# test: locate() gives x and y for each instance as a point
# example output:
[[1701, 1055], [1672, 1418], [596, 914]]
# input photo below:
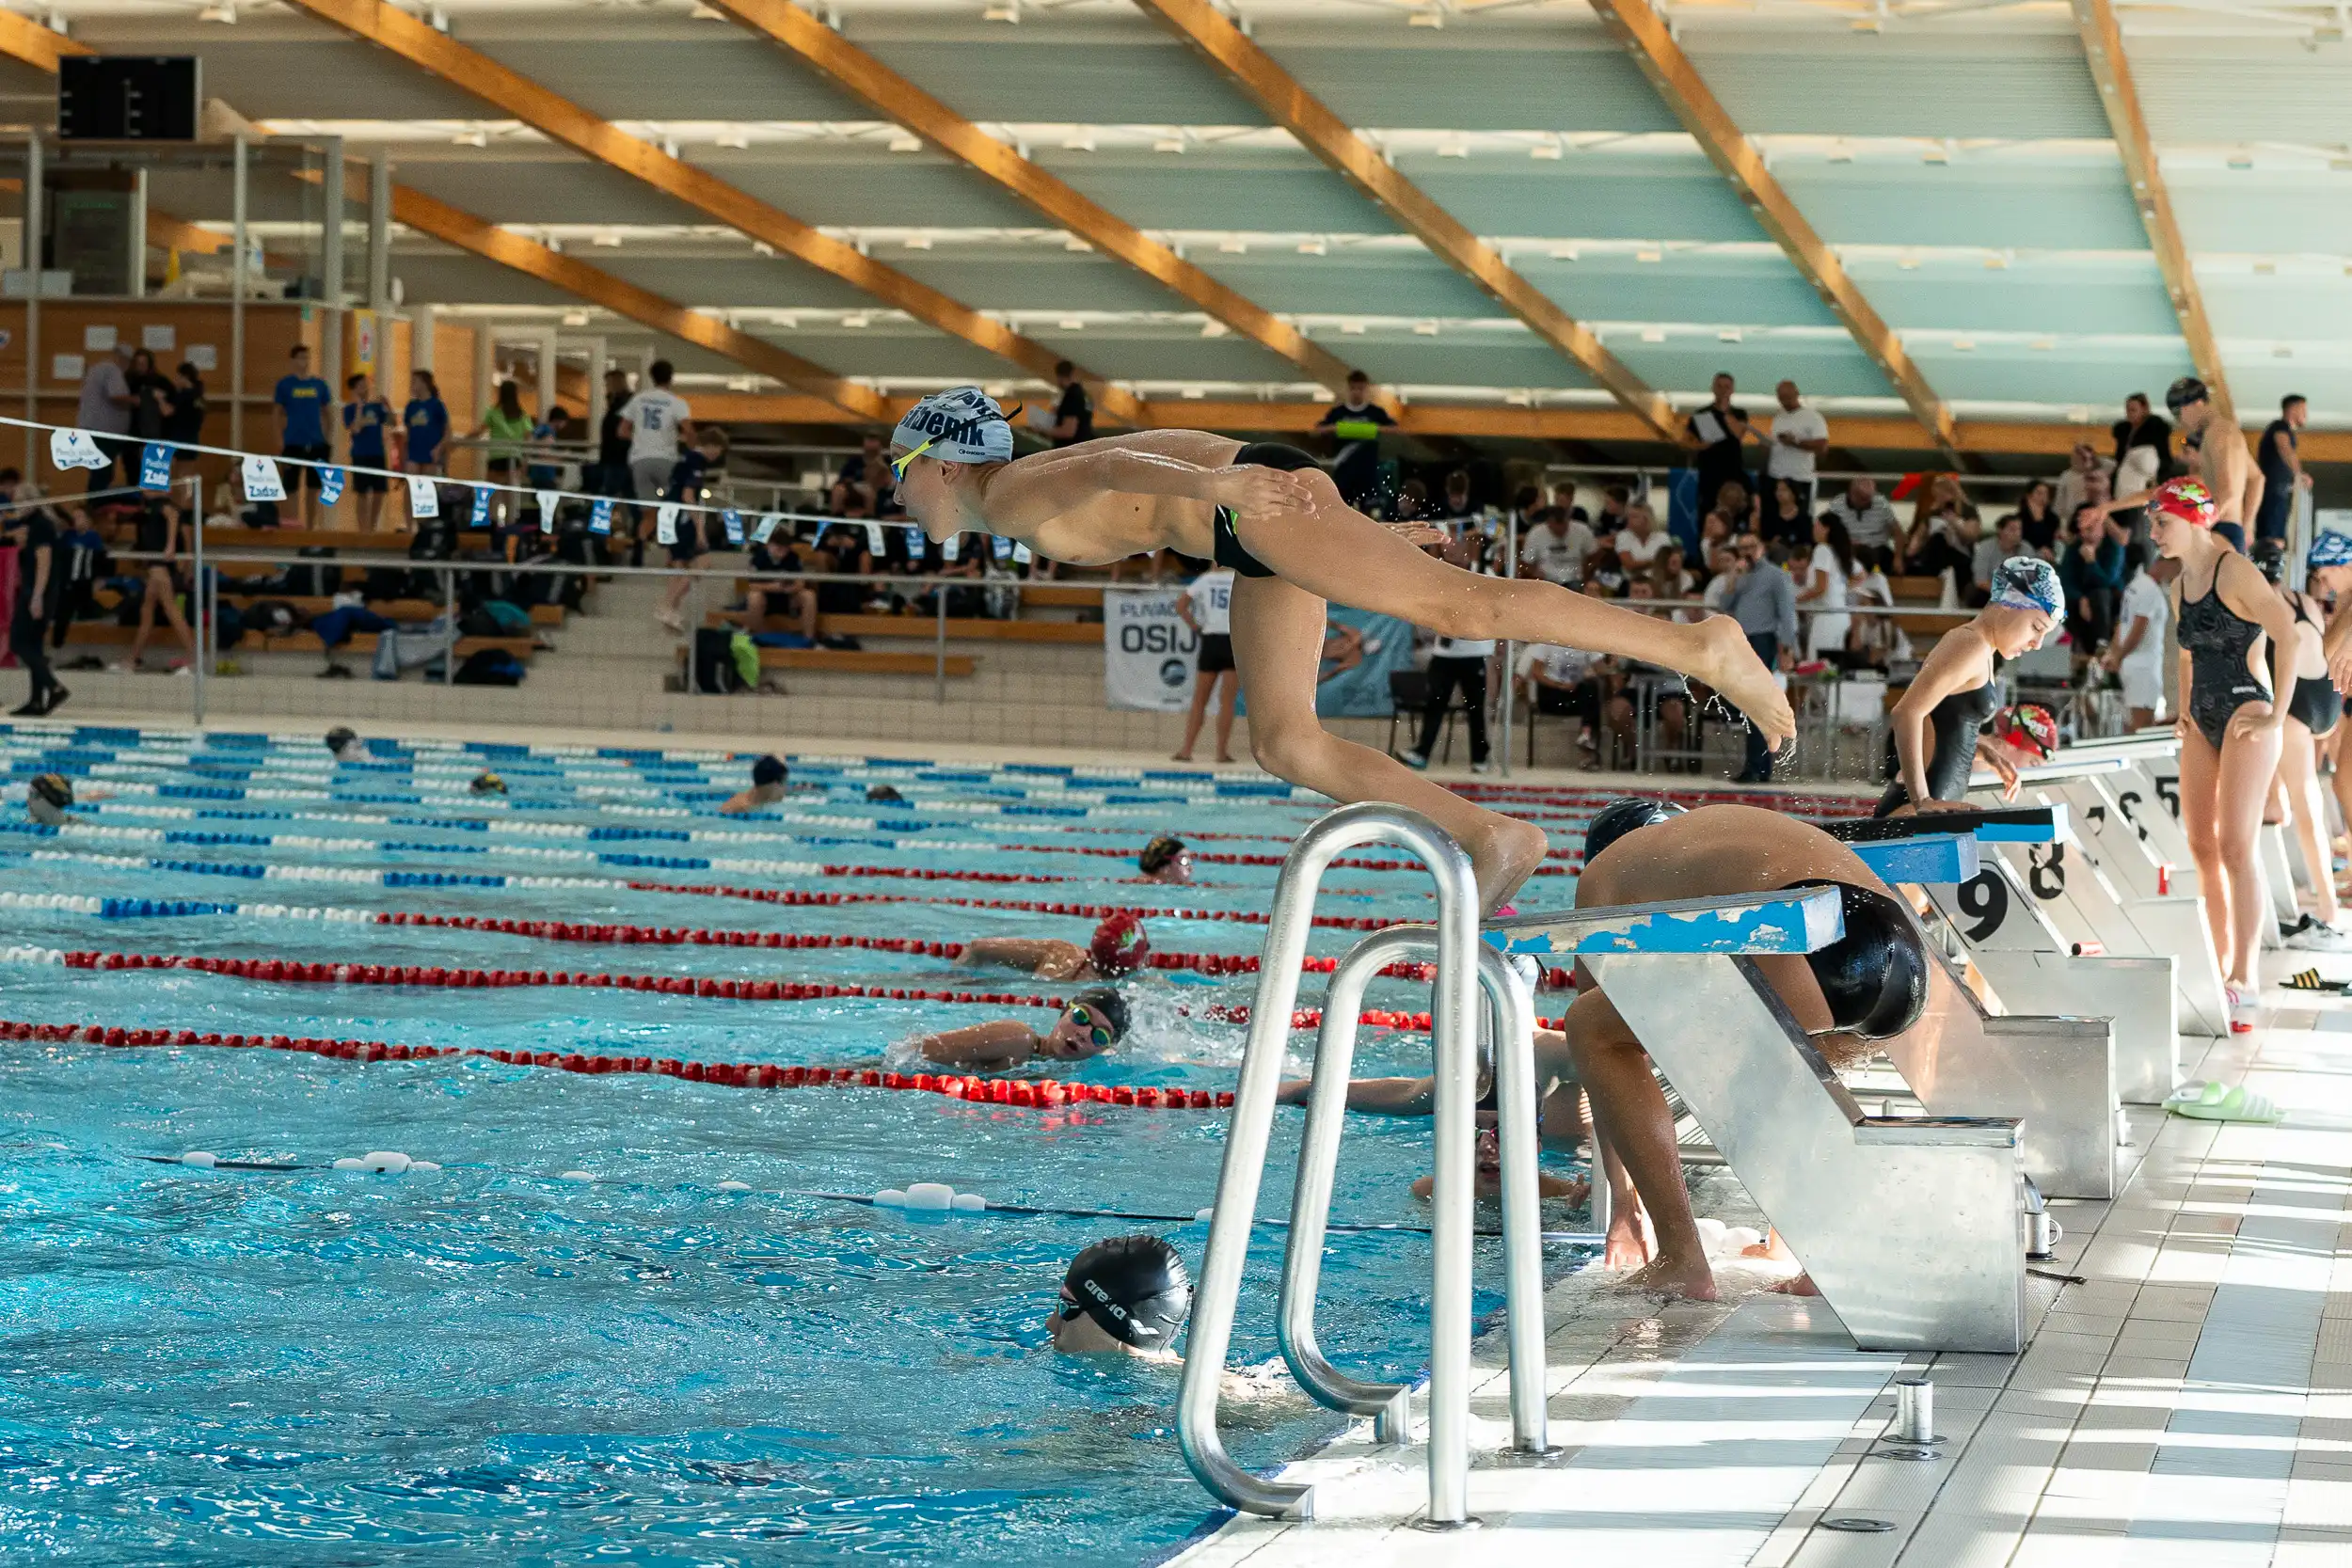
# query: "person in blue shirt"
[[365, 416], [426, 419], [302, 401]]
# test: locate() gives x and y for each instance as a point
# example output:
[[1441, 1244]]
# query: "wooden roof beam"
[[891, 95], [1333, 140], [561, 119], [1642, 32], [2103, 48]]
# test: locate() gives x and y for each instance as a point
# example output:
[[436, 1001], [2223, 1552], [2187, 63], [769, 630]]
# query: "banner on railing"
[[1148, 650]]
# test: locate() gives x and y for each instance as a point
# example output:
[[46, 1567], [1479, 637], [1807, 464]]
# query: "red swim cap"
[[2186, 499], [1120, 943], [2029, 726]]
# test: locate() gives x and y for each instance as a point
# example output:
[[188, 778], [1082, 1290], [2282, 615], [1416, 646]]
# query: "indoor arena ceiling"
[[1919, 209]]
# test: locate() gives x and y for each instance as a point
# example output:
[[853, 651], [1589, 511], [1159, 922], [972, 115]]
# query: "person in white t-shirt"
[[1640, 541], [2135, 653], [1799, 436], [1556, 546], [1563, 681], [657, 420], [1824, 592], [1207, 607]]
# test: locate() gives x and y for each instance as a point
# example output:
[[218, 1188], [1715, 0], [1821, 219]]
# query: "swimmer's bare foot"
[[1225, 757], [1726, 663], [1800, 1286], [1185, 757], [1503, 857], [1692, 1278]]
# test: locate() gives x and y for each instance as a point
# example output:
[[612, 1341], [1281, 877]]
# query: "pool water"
[[500, 1362]]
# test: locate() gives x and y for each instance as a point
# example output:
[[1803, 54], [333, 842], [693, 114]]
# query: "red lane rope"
[[1025, 1092], [286, 971], [671, 936], [798, 899], [1213, 858]]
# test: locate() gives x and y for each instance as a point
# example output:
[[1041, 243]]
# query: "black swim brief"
[[1229, 548]]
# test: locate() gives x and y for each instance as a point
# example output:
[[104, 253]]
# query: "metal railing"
[[1453, 1039]]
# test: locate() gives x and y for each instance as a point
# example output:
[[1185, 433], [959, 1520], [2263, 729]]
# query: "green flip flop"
[[2222, 1102]]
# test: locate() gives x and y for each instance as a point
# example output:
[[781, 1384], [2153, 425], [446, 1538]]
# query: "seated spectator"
[[1412, 501], [2073, 486], [1739, 507], [864, 475], [1715, 531], [770, 592], [1874, 639], [1605, 574], [1671, 703], [1640, 541], [1563, 681], [1823, 590], [2039, 519], [1867, 520], [1784, 516], [1457, 498], [2092, 572], [2008, 540], [1614, 499], [1556, 546], [1722, 571], [1669, 578], [547, 465], [841, 550], [1342, 650], [1940, 540]]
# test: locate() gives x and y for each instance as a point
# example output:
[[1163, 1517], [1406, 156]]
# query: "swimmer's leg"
[[1629, 1110], [1278, 643], [1339, 553]]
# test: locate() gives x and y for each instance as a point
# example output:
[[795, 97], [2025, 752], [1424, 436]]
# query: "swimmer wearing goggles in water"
[[1120, 947], [1095, 1020], [1271, 514], [1125, 1296]]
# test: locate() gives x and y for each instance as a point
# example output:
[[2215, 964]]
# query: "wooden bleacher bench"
[[1089, 633], [107, 634]]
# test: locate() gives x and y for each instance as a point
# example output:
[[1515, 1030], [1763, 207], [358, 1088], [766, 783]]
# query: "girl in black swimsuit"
[[2313, 712], [2229, 728], [1933, 731]]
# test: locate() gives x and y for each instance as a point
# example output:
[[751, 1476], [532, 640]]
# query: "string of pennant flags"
[[261, 481]]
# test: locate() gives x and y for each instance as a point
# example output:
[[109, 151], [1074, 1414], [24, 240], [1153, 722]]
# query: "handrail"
[[1218, 1291]]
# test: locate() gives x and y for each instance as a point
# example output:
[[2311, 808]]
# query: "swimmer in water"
[[1094, 1021], [1870, 985], [344, 745], [1124, 1295], [884, 795], [1120, 947], [49, 797], [768, 776], [1272, 514], [488, 784], [1166, 859], [1563, 1117]]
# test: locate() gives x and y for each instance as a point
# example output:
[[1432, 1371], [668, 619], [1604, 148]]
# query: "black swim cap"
[[2185, 392], [766, 771], [1620, 817], [1134, 1287], [1875, 977], [340, 738], [885, 794], [1107, 1005], [1157, 853]]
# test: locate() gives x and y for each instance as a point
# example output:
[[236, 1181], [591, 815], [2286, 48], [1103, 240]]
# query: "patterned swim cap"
[[2027, 582], [962, 424], [2331, 550], [2185, 500]]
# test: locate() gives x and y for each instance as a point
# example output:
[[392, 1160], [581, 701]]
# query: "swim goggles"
[[899, 465], [1098, 1030]]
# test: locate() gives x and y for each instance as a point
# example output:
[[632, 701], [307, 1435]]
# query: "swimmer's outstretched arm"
[[1005, 1042], [1030, 954], [1379, 1097], [1034, 491]]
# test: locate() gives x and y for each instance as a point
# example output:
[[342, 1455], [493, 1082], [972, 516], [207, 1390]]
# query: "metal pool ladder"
[[1465, 966]]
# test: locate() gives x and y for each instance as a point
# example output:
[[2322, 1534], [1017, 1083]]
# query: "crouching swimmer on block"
[[1272, 515], [1094, 1021], [1869, 985]]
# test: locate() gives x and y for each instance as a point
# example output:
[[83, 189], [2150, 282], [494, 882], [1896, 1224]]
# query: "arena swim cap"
[[2330, 550], [1136, 1289], [2029, 726], [1105, 1007], [1157, 853], [962, 424], [2185, 392], [47, 796], [1875, 977], [2185, 500], [1620, 817], [766, 771], [1120, 944], [2027, 582]]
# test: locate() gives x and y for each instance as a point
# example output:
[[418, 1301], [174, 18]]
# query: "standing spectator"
[[34, 531], [1799, 436], [2073, 484], [508, 426], [544, 469], [1073, 412], [612, 478], [1764, 602], [1556, 546], [2135, 653], [857, 489], [689, 483], [1718, 430], [1867, 520], [1455, 662], [105, 411], [1826, 590], [1207, 607], [1613, 501], [2008, 540], [2138, 427], [1872, 641], [1784, 517], [366, 417], [184, 417], [1641, 540], [2039, 521], [2281, 468], [657, 421], [301, 401], [1356, 422], [150, 396], [425, 419]]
